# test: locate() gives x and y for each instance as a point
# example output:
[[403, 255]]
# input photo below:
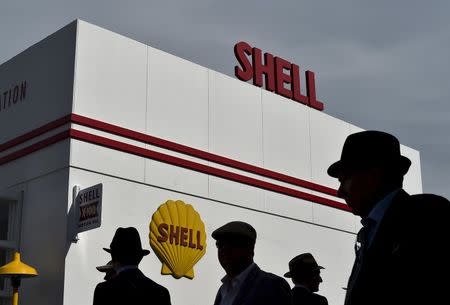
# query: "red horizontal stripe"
[[146, 153], [34, 133], [138, 136], [34, 147]]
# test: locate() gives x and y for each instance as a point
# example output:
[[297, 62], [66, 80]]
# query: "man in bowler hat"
[[305, 274], [245, 283], [130, 285], [400, 252]]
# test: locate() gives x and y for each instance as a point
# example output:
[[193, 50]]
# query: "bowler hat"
[[370, 148], [235, 229], [301, 264], [126, 242]]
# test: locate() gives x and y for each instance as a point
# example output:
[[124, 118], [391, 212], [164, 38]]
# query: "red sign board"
[[281, 76]]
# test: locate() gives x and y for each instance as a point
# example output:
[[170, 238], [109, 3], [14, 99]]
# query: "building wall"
[[43, 236], [149, 91], [128, 203], [100, 75], [47, 68]]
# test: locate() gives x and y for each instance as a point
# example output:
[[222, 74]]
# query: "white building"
[[87, 106]]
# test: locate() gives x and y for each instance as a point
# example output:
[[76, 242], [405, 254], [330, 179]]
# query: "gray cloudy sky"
[[379, 64]]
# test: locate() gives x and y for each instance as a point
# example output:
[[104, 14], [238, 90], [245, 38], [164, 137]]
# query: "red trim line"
[[34, 133], [127, 133], [35, 147], [142, 152]]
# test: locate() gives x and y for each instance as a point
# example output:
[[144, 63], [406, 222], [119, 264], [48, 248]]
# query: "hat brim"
[[337, 167], [144, 252], [104, 268], [289, 274]]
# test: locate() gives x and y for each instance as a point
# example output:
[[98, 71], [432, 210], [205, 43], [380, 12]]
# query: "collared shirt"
[[231, 286], [127, 267], [376, 215]]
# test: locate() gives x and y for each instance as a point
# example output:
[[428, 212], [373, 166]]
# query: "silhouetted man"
[[130, 285], [244, 283], [305, 274], [400, 251]]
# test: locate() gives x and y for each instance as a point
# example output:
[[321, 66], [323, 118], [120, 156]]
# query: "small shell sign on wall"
[[177, 236]]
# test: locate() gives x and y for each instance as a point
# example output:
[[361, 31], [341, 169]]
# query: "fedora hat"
[[370, 148], [126, 242], [301, 264]]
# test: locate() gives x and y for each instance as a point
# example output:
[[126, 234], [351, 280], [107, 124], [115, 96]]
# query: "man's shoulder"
[[103, 285], [137, 275], [428, 204], [154, 284], [429, 198], [319, 299]]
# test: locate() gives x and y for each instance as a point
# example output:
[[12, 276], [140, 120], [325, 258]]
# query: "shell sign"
[[178, 237]]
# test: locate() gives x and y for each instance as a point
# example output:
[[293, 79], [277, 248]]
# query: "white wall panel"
[[288, 206], [105, 160], [43, 238], [177, 100], [177, 178], [35, 165], [111, 77], [48, 70], [327, 139], [236, 193], [412, 182], [235, 119], [235, 131], [334, 218], [286, 136], [177, 111]]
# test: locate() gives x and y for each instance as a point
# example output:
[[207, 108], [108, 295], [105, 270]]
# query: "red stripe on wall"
[[134, 135], [35, 147], [34, 133], [146, 153]]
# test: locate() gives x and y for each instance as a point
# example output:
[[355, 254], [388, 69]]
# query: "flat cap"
[[237, 229]]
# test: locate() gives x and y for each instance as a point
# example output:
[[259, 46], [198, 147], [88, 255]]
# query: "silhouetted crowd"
[[401, 256]]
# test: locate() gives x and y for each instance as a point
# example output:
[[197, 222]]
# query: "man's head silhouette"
[[370, 167]]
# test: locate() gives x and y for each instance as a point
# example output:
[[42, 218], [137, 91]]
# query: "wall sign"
[[281, 76], [178, 237], [89, 208], [12, 95]]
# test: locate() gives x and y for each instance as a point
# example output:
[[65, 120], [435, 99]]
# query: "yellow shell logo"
[[178, 237]]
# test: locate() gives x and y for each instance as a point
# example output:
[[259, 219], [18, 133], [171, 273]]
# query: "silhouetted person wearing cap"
[[245, 283], [130, 285], [400, 251], [305, 274]]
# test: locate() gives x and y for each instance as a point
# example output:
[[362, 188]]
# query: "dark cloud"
[[379, 64]]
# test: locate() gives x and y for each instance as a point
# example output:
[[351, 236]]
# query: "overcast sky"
[[379, 64]]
